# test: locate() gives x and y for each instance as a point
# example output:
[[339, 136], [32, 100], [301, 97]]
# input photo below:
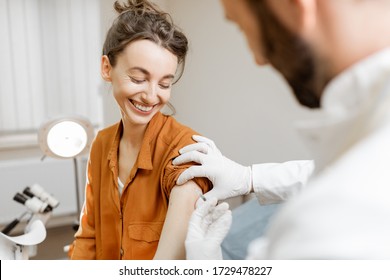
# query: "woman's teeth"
[[142, 108]]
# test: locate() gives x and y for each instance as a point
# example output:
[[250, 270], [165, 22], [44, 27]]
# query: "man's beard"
[[291, 56]]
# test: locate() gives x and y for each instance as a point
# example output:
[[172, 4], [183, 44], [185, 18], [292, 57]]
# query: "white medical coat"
[[344, 211], [277, 182]]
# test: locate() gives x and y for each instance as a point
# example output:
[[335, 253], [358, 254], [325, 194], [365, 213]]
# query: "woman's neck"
[[133, 134]]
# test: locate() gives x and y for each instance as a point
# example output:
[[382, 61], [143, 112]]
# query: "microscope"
[[39, 205]]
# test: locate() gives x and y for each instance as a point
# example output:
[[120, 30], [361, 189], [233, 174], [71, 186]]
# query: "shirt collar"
[[348, 104], [145, 155], [113, 153], [144, 159], [350, 90]]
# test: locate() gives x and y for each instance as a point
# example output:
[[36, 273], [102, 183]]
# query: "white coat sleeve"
[[276, 182]]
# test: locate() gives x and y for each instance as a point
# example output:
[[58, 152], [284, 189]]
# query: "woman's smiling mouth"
[[141, 107]]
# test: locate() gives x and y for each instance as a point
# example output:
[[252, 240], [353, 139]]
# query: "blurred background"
[[50, 52]]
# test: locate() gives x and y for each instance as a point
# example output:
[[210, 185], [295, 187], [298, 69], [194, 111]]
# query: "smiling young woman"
[[133, 207]]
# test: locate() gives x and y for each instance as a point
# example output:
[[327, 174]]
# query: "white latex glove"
[[228, 177], [207, 228]]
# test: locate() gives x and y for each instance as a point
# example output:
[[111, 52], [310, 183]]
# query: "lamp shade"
[[65, 137]]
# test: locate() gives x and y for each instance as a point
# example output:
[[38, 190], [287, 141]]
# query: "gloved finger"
[[202, 211], [202, 199], [219, 210], [209, 142], [191, 173], [202, 139], [209, 212], [200, 147], [220, 227], [193, 156]]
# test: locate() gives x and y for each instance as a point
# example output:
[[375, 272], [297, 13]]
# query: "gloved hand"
[[207, 228], [228, 177]]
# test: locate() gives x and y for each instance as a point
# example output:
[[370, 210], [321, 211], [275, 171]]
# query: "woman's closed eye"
[[165, 86], [137, 80]]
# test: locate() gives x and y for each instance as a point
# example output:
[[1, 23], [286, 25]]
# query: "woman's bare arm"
[[181, 205]]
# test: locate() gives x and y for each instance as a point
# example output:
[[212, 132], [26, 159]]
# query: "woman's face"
[[141, 80]]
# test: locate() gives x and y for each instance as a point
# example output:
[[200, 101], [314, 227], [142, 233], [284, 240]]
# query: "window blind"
[[50, 60]]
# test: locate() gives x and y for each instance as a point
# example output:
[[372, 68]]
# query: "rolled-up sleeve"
[[172, 172]]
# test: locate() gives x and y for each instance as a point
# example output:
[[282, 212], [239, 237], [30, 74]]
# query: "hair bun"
[[137, 6]]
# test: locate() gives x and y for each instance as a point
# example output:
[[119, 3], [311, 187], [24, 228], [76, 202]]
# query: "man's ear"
[[105, 68], [299, 16]]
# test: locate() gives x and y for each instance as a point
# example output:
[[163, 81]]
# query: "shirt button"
[[122, 252]]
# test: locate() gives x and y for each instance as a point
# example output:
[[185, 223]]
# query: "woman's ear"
[[105, 68]]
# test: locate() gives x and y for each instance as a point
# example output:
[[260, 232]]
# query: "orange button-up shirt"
[[129, 226]]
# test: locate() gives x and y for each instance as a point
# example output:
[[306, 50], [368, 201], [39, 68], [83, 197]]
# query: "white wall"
[[247, 110], [110, 111]]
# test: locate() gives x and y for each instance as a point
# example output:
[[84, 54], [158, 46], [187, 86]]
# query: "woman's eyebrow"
[[146, 72], [169, 76]]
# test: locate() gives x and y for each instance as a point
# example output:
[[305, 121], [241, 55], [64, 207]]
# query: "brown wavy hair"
[[143, 20]]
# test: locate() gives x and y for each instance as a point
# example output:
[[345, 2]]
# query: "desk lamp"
[[67, 138]]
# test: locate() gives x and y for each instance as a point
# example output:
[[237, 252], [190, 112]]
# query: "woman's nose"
[[151, 93]]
